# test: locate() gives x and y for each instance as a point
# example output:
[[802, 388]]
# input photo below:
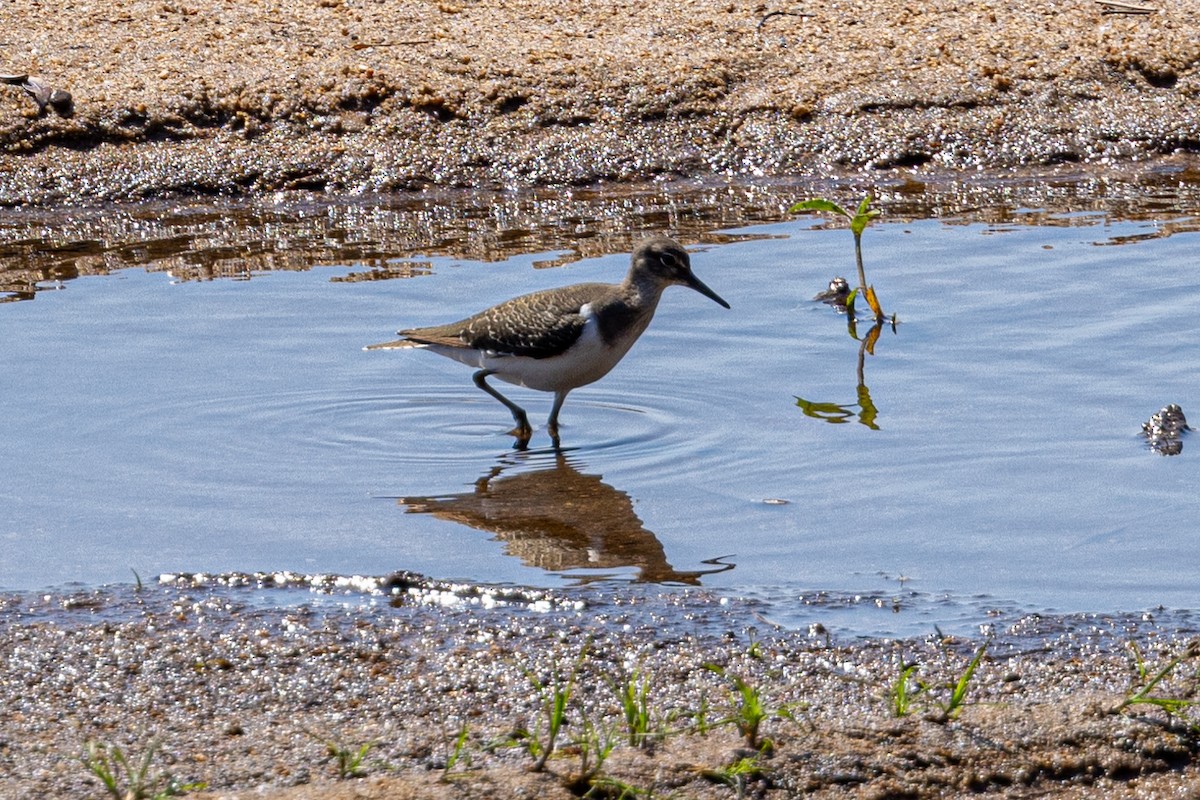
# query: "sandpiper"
[[560, 339]]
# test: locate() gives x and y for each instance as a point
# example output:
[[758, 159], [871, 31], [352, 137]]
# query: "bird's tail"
[[396, 345]]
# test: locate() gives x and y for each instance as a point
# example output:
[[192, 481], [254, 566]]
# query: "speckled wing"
[[538, 325]]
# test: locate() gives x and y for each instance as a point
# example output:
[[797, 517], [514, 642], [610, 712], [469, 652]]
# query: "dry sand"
[[213, 96]]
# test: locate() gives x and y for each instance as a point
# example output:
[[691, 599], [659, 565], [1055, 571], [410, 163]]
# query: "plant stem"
[[862, 275]]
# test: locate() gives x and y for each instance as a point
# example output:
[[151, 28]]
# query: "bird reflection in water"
[[560, 519]]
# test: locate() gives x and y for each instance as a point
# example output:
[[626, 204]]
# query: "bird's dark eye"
[[670, 261]]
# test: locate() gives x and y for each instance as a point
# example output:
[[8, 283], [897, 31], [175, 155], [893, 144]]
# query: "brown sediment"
[[360, 95], [249, 700]]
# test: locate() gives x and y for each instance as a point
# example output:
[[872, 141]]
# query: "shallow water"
[[166, 425]]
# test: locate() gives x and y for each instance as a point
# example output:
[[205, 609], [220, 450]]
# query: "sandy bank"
[[248, 699], [357, 95]]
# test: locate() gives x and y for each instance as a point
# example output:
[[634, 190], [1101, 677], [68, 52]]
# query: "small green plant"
[[633, 697], [903, 691], [750, 711], [737, 773], [611, 788], [595, 744], [858, 223], [700, 717], [131, 779], [1173, 706], [643, 726], [958, 692], [458, 753], [554, 695], [348, 759], [755, 649]]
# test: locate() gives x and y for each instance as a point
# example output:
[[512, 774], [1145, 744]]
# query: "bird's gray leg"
[[523, 430], [552, 426]]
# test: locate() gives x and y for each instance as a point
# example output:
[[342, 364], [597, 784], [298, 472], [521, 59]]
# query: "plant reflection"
[[559, 519], [864, 407]]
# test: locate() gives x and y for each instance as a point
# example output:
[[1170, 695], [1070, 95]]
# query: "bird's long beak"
[[699, 285]]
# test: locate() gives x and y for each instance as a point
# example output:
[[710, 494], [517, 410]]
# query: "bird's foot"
[[523, 432]]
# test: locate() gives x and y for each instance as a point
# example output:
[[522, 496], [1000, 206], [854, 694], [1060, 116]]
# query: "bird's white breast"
[[587, 360]]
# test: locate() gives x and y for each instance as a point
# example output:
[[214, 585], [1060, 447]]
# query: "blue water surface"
[[161, 426]]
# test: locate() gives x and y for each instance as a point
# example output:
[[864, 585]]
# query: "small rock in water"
[[1164, 430], [836, 294]]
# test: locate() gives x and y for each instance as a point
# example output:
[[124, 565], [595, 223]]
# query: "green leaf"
[[863, 217], [862, 207], [819, 204]]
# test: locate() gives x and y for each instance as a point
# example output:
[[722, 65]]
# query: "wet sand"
[[247, 694], [207, 97], [391, 236]]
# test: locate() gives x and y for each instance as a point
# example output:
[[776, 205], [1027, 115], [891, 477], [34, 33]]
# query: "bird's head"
[[665, 262]]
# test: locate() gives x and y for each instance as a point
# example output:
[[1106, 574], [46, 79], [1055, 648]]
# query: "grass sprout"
[[613, 789], [737, 773], [1142, 695], [554, 695], [958, 691], [904, 691], [642, 726], [700, 717], [595, 744], [755, 648], [633, 696], [751, 711], [458, 753], [126, 778], [348, 759]]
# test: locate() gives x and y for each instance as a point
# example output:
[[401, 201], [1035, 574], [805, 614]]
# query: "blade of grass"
[[959, 695], [1142, 696]]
